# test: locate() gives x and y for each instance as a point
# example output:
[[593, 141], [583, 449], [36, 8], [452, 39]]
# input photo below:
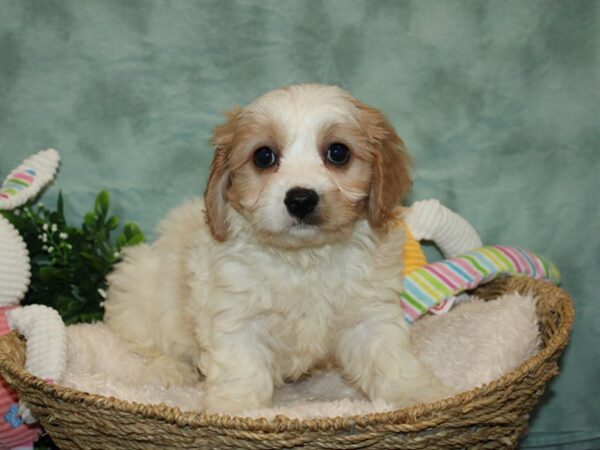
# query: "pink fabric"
[[24, 434]]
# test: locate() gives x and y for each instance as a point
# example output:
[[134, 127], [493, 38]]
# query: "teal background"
[[497, 101]]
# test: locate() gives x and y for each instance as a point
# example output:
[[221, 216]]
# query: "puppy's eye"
[[338, 154], [264, 157]]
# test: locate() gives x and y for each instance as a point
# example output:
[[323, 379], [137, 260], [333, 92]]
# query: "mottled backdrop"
[[497, 101]]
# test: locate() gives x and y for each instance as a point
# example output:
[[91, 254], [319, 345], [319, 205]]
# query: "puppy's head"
[[302, 164]]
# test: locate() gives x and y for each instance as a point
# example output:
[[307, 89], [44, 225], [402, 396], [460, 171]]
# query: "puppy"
[[293, 259]]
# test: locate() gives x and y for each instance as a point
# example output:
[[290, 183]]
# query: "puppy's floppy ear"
[[215, 195], [391, 179]]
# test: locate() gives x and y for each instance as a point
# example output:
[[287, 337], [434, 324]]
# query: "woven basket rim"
[[424, 414]]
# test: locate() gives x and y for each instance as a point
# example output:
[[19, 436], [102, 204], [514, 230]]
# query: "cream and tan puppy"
[[292, 260]]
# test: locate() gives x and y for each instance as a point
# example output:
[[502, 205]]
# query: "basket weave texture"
[[492, 416]]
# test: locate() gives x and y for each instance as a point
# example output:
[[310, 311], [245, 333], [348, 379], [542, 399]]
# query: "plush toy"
[[437, 286], [429, 220], [40, 325]]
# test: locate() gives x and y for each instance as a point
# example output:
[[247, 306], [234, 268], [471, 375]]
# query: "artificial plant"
[[69, 264]]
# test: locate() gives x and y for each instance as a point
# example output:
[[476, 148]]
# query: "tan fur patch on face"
[[299, 124], [343, 205], [247, 181], [253, 131]]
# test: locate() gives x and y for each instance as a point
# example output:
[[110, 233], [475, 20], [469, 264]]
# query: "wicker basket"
[[493, 416]]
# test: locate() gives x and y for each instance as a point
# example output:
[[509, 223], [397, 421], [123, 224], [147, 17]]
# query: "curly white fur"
[[471, 345], [251, 317]]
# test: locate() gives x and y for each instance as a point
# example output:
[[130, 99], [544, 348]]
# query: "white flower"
[[45, 227], [54, 228], [116, 254], [50, 249], [44, 247], [102, 292], [63, 235], [44, 237], [17, 212]]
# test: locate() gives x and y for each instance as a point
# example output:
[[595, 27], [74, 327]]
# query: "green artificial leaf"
[[60, 207], [135, 240], [112, 223], [54, 217], [101, 205], [89, 317], [130, 230], [121, 241], [50, 274], [90, 220], [94, 261], [106, 250], [69, 265]]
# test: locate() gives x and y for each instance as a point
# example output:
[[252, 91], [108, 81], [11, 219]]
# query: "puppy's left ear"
[[215, 195], [391, 179]]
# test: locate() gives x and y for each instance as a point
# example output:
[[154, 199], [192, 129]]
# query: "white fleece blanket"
[[473, 344]]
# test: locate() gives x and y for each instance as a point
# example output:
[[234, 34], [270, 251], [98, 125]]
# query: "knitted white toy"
[[437, 286], [429, 220], [40, 325]]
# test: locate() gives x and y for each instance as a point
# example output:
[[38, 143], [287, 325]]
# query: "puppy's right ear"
[[391, 166], [215, 195]]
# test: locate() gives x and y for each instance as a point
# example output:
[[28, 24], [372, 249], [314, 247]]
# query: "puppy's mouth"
[[304, 231], [307, 226], [312, 220], [311, 230]]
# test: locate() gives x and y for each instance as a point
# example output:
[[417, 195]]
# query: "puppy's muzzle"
[[300, 202]]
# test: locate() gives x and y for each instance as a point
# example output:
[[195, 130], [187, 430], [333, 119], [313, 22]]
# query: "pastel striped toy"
[[432, 285], [42, 326]]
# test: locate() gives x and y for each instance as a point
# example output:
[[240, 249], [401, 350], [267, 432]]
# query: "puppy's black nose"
[[301, 202]]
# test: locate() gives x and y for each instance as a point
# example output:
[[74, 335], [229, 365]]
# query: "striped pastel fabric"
[[16, 182], [26, 181], [433, 284]]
